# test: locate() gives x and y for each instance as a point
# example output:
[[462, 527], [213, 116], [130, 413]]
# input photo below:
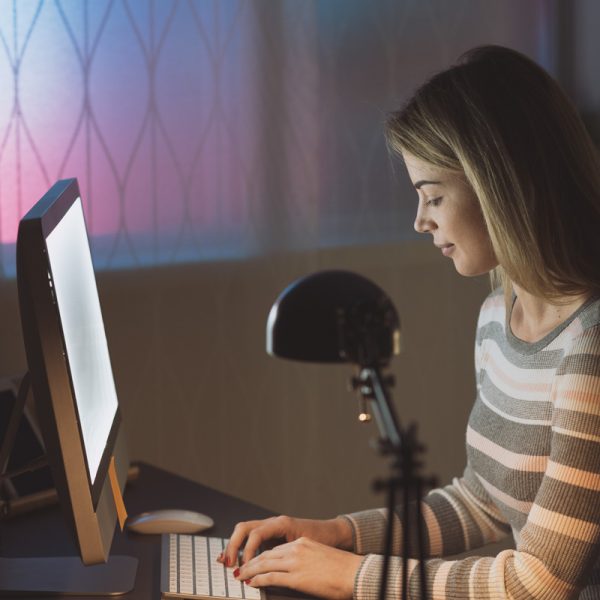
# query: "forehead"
[[419, 169]]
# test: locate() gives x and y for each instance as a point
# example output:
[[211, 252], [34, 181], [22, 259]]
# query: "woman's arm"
[[560, 541], [455, 518]]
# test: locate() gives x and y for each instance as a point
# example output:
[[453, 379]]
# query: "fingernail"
[[248, 581], [236, 572]]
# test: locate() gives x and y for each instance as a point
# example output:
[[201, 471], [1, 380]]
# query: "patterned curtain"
[[204, 129]]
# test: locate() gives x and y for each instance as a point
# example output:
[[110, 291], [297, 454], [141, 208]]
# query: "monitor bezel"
[[38, 307]]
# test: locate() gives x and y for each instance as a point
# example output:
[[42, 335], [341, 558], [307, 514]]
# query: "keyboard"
[[189, 569]]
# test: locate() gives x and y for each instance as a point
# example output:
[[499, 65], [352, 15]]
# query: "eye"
[[434, 201]]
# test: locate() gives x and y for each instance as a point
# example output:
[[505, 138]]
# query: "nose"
[[423, 223]]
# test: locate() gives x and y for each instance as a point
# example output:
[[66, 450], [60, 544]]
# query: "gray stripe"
[[453, 540], [523, 485], [590, 317], [516, 407], [577, 421], [516, 437], [575, 452], [566, 561], [522, 354], [581, 502], [473, 533], [580, 364]]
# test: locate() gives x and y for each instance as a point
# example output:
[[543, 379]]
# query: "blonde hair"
[[505, 123]]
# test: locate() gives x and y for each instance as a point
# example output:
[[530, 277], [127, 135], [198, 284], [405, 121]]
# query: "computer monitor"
[[70, 370]]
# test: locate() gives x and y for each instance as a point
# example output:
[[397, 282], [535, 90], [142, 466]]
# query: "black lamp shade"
[[334, 317]]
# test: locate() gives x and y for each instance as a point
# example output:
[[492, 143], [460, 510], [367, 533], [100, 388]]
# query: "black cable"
[[406, 481], [388, 537], [420, 540]]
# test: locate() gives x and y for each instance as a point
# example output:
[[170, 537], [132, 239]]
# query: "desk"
[[44, 532]]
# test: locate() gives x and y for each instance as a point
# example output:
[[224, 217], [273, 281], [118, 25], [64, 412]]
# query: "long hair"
[[500, 119]]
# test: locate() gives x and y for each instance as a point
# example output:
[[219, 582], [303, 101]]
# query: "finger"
[[281, 551], [256, 537], [239, 534], [276, 578], [261, 565]]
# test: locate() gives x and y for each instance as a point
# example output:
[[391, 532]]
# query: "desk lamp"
[[342, 317]]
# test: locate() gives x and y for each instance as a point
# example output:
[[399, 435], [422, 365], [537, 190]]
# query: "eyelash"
[[433, 201]]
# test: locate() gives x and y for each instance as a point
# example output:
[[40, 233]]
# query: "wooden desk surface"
[[44, 533]]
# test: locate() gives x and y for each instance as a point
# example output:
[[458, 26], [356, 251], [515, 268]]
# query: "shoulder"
[[589, 317], [582, 343], [493, 309]]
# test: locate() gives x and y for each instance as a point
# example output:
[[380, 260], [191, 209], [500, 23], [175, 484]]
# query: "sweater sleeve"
[[455, 518], [560, 541]]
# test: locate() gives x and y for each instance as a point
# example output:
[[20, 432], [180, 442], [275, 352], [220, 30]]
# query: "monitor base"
[[67, 575]]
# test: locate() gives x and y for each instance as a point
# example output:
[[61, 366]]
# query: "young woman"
[[508, 182]]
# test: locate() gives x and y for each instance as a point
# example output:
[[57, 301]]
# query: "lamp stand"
[[403, 447]]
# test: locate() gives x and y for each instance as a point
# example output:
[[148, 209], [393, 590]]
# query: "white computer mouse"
[[169, 521]]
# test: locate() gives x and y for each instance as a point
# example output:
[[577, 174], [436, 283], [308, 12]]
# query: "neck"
[[534, 317]]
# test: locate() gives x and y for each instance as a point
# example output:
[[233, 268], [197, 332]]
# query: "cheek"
[[477, 241], [475, 224]]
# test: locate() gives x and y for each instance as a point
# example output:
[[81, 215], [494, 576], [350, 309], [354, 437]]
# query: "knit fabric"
[[533, 470]]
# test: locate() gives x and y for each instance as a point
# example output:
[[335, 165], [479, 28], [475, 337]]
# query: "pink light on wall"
[[149, 104]]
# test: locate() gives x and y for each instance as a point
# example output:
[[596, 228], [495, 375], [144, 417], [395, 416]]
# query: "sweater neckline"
[[524, 347]]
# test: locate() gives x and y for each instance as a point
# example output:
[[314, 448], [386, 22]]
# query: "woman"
[[508, 182]]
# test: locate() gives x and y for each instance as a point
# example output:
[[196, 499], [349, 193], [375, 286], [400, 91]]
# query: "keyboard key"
[[192, 570], [201, 566], [234, 587], [217, 570], [251, 593], [186, 571]]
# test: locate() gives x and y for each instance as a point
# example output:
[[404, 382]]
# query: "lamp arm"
[[373, 387]]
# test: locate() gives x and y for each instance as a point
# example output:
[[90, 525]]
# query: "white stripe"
[[503, 367], [492, 490], [529, 463], [577, 434], [512, 417], [492, 311]]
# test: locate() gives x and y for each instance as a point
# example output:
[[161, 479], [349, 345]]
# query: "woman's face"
[[449, 210]]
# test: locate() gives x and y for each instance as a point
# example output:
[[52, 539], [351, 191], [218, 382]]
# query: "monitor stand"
[[67, 575], [62, 574]]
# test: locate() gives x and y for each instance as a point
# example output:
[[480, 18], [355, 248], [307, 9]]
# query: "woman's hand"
[[331, 532], [304, 565]]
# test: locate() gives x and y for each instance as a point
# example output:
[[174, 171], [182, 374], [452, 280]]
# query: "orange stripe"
[[433, 529], [572, 476], [581, 396], [567, 526]]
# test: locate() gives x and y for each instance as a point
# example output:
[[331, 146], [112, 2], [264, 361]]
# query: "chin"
[[472, 270]]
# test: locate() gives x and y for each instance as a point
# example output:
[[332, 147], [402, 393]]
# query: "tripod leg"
[[388, 539]]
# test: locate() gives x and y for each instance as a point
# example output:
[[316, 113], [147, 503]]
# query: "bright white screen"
[[83, 329]]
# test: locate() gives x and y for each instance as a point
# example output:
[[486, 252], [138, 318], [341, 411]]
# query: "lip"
[[447, 249]]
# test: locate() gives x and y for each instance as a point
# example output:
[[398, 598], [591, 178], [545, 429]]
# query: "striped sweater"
[[533, 470]]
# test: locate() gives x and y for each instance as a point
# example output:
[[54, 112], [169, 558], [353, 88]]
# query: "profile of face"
[[449, 210]]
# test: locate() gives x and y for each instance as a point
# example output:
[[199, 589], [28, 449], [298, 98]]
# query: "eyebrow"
[[425, 182]]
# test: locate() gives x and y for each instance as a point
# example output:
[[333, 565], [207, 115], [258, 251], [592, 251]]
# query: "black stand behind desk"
[[44, 532]]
